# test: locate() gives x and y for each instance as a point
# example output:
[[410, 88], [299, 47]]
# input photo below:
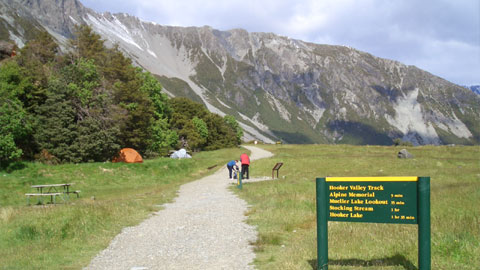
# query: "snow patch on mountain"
[[254, 121], [225, 105], [317, 114], [257, 101], [152, 53], [8, 19], [73, 20], [175, 63], [109, 28], [410, 121], [452, 124], [276, 105], [250, 133], [16, 38]]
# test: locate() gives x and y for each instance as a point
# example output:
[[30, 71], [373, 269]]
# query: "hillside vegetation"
[[284, 209]]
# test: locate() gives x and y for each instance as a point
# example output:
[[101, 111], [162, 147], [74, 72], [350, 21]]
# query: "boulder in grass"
[[404, 154]]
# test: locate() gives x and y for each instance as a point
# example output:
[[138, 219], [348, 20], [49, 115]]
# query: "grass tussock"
[[113, 196], [284, 210]]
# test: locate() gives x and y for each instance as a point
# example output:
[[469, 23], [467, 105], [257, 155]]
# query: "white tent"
[[182, 153]]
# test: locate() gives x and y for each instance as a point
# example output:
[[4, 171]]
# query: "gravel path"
[[204, 228]]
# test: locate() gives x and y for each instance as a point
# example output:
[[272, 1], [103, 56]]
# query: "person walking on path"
[[245, 160], [232, 165]]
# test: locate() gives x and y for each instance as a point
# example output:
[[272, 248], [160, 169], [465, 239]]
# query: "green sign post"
[[404, 200]]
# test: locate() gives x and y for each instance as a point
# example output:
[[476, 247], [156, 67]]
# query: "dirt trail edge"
[[204, 228]]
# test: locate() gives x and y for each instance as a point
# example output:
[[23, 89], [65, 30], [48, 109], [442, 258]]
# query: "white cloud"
[[451, 59]]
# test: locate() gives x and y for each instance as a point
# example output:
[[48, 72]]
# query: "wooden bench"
[[76, 192], [41, 195]]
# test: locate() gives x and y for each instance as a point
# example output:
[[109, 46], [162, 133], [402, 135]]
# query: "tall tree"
[[163, 138], [130, 90], [232, 123], [74, 124], [37, 61], [136, 126], [87, 44], [219, 134], [202, 130], [14, 121]]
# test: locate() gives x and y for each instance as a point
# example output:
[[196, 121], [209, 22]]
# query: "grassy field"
[[113, 196], [284, 209]]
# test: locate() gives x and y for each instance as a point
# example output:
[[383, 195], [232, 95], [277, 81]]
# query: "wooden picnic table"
[[52, 190]]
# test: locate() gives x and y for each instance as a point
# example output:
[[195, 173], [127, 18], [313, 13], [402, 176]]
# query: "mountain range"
[[278, 88]]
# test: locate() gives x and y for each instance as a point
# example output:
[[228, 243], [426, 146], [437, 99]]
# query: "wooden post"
[[276, 168]]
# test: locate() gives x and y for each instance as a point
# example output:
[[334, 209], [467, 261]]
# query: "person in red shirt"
[[245, 160]]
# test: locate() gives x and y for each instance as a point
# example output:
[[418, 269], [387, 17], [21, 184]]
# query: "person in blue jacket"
[[231, 166]]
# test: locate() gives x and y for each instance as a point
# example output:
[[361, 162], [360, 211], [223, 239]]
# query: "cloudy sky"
[[439, 36]]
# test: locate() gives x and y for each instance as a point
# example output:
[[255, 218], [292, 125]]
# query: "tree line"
[[85, 102]]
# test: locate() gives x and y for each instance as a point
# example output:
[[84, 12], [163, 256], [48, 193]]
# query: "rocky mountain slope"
[[278, 88]]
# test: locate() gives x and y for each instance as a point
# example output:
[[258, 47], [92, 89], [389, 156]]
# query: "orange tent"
[[128, 155]]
